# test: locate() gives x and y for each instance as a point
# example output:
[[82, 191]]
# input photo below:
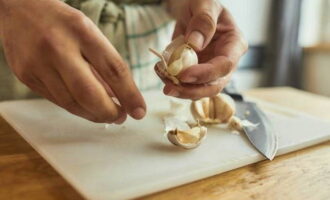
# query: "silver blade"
[[263, 136]]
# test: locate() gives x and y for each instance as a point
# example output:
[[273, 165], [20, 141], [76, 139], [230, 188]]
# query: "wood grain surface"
[[303, 174]]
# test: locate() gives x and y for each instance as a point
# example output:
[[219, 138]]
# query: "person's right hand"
[[59, 53]]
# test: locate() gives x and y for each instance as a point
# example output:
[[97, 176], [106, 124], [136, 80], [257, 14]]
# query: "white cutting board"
[[136, 159]]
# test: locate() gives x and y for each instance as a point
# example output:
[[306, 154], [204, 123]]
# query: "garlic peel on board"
[[236, 124], [187, 139], [175, 58], [178, 130]]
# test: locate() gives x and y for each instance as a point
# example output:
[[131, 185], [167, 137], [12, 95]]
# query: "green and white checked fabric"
[[146, 26], [133, 26]]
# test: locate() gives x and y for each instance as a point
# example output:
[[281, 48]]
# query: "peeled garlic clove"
[[187, 139], [175, 67], [183, 57], [177, 53], [189, 57]]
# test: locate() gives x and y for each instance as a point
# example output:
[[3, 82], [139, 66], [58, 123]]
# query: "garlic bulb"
[[213, 110], [175, 58], [187, 139]]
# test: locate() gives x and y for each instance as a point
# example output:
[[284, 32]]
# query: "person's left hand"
[[211, 31]]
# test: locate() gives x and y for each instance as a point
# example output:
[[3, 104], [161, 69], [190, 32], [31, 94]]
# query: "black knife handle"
[[231, 90]]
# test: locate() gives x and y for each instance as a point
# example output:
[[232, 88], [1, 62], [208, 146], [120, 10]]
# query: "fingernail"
[[138, 113], [196, 39], [173, 93], [189, 79]]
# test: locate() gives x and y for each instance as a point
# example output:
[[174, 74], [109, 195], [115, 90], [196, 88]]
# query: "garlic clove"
[[178, 41], [224, 107], [213, 110], [198, 109], [175, 67], [183, 57], [189, 57], [177, 53], [187, 139], [176, 57]]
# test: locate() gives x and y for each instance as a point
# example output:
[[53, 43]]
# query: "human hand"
[[211, 31], [59, 53]]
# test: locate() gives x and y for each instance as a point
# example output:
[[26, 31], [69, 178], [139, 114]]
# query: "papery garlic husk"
[[213, 110], [237, 124], [187, 139], [175, 58]]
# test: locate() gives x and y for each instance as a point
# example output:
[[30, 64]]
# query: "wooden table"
[[303, 174]]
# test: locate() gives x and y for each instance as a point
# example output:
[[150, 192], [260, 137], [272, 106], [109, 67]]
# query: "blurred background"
[[289, 43], [289, 46]]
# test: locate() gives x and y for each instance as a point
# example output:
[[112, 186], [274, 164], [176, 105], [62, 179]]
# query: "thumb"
[[203, 23]]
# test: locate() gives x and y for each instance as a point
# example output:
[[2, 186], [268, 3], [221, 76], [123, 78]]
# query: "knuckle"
[[76, 15], [118, 70], [81, 23], [206, 21], [85, 93], [26, 77], [245, 44], [50, 42], [229, 66], [242, 41]]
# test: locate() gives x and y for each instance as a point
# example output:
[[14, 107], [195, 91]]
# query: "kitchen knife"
[[263, 136]]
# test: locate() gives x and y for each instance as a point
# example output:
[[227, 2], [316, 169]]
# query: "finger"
[[61, 95], [105, 85], [178, 30], [159, 72], [114, 71], [217, 67], [86, 90], [193, 91], [39, 88], [233, 45], [203, 23], [121, 119]]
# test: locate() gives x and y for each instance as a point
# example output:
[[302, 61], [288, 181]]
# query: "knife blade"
[[263, 137]]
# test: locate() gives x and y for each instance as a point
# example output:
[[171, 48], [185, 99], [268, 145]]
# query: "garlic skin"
[[187, 139], [175, 58], [235, 124], [213, 110]]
